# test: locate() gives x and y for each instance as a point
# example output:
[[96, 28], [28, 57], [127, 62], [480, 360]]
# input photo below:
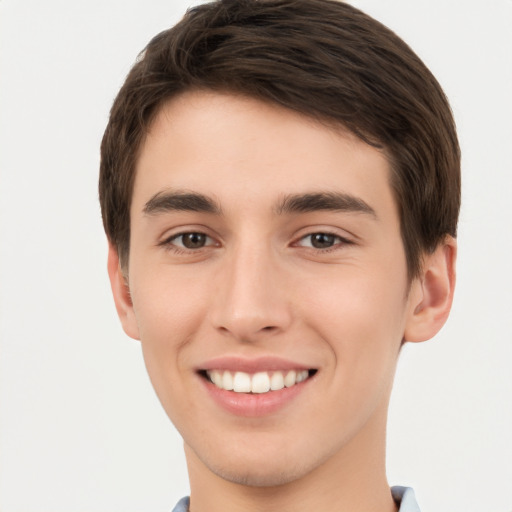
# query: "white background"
[[81, 429]]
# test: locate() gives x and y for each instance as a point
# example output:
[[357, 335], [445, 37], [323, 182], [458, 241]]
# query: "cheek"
[[167, 305], [362, 318], [168, 309], [166, 317]]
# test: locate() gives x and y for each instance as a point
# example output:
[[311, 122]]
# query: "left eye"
[[191, 240], [320, 240]]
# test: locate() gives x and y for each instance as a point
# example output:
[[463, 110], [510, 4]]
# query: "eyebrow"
[[324, 201], [167, 201]]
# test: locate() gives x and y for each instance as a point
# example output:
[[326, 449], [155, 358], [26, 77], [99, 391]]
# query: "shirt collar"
[[403, 496]]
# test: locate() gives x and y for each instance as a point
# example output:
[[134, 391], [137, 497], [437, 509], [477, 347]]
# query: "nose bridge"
[[251, 298]]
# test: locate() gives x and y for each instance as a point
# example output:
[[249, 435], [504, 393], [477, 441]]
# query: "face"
[[266, 257]]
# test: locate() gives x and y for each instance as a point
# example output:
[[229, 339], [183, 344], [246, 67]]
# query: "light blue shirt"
[[404, 496]]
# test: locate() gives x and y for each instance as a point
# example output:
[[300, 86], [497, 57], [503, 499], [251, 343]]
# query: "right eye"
[[189, 241]]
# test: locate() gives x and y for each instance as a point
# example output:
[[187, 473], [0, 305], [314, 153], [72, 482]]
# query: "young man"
[[280, 189]]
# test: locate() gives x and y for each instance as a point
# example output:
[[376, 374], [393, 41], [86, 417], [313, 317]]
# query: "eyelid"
[[180, 235], [339, 239], [168, 240], [326, 229]]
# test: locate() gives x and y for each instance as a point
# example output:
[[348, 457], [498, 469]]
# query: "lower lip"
[[253, 404]]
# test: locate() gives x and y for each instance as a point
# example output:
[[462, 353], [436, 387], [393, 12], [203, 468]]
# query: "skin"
[[259, 287]]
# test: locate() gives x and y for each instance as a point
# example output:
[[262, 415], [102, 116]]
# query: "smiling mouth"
[[257, 383]]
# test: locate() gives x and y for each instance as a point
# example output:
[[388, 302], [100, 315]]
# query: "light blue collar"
[[404, 496]]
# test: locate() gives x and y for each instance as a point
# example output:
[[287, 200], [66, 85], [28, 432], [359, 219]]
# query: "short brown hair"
[[323, 58]]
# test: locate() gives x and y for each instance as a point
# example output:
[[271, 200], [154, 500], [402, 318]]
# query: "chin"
[[264, 477], [268, 471]]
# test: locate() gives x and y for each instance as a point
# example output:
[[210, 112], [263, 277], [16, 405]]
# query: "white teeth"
[[216, 377], [261, 382], [227, 381], [301, 376], [276, 381], [242, 382], [289, 379]]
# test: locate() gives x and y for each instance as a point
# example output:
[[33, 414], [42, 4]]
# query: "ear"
[[431, 294], [121, 292]]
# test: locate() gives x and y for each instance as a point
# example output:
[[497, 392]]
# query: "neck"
[[352, 480]]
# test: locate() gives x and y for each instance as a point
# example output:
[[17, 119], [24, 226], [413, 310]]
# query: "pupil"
[[194, 240], [322, 240]]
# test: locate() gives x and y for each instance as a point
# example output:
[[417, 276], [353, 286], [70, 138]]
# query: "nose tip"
[[249, 326], [251, 300]]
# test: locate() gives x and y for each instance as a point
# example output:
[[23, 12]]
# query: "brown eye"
[[193, 240], [322, 240], [190, 241]]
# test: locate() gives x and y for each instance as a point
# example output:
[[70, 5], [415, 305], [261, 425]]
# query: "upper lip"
[[251, 365]]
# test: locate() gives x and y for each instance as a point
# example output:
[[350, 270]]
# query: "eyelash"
[[170, 245], [338, 241]]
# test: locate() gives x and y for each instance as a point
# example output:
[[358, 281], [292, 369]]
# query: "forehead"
[[241, 149]]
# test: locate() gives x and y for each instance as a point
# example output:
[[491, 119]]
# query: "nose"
[[251, 301]]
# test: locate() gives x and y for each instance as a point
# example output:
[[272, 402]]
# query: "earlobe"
[[431, 294], [121, 293]]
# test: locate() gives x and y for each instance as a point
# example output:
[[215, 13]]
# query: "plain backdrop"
[[81, 429]]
